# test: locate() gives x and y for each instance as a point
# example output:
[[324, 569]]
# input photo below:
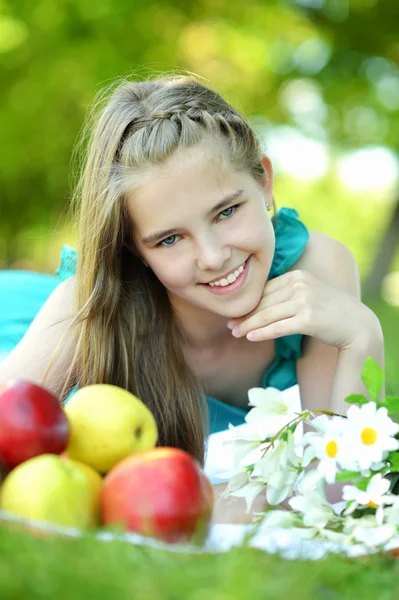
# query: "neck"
[[202, 329]]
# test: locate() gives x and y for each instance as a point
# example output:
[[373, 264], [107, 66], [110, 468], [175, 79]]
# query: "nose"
[[212, 253]]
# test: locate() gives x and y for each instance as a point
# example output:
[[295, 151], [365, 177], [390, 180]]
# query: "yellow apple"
[[49, 488], [108, 424], [96, 483]]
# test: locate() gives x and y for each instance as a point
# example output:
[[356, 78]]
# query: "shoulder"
[[331, 261]]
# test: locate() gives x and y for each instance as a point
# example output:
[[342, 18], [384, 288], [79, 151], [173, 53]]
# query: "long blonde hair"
[[126, 331]]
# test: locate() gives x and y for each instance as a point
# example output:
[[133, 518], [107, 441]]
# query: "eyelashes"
[[233, 209]]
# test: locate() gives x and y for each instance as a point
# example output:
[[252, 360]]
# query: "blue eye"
[[169, 241], [228, 212]]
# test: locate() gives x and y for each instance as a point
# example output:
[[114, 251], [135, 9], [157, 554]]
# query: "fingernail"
[[236, 331], [230, 324]]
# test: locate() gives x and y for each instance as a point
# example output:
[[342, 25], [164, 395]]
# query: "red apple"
[[32, 422], [161, 492]]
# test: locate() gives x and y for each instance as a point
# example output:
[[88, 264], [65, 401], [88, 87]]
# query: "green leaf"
[[395, 417], [356, 399], [373, 378], [394, 479], [394, 460], [347, 475], [362, 484], [391, 403]]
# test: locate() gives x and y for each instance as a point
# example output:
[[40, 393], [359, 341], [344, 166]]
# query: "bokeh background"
[[319, 80]]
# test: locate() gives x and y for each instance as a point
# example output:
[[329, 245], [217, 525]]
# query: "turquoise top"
[[22, 294], [291, 239]]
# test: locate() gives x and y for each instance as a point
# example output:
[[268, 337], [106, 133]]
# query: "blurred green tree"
[[328, 67]]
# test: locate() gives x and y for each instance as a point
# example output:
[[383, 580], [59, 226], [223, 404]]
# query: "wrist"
[[368, 339]]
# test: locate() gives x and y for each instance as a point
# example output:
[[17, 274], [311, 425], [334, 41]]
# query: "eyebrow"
[[157, 235]]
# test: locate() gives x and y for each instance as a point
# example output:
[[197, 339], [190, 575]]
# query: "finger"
[[271, 299], [277, 283], [290, 278], [265, 317], [276, 330]]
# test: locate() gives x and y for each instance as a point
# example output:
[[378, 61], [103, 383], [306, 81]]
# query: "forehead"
[[188, 185]]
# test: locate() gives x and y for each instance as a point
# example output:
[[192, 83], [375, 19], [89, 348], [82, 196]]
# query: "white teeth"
[[229, 279]]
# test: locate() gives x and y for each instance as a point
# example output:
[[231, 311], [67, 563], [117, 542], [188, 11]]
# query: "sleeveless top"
[[291, 239]]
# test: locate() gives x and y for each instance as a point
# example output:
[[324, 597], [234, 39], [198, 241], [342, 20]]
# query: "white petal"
[[318, 517], [276, 495], [328, 467], [350, 492], [378, 485], [271, 400], [283, 477], [278, 518], [353, 413], [237, 481], [381, 413], [308, 456], [374, 536], [257, 396], [379, 515], [249, 492], [306, 502], [321, 423], [309, 482], [369, 411]]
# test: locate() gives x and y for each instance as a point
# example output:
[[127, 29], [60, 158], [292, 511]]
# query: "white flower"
[[271, 410], [278, 457], [370, 434], [392, 512], [367, 530], [246, 445], [374, 496], [249, 492], [277, 518], [278, 469], [280, 485], [373, 536], [238, 478], [310, 481], [328, 445], [316, 511]]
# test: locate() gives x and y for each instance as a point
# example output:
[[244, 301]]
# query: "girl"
[[186, 291]]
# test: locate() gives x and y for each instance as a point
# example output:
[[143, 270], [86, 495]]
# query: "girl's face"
[[200, 225]]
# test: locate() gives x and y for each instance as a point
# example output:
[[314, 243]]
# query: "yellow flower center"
[[368, 436], [372, 504], [331, 448]]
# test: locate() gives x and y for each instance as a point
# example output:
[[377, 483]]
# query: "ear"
[[268, 185]]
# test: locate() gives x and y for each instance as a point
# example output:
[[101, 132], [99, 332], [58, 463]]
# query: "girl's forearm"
[[350, 363]]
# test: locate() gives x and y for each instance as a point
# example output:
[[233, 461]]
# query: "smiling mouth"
[[228, 279]]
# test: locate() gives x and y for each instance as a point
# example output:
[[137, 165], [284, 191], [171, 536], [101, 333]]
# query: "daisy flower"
[[328, 445], [370, 434], [375, 495]]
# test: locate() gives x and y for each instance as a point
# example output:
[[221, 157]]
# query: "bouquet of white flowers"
[[360, 450]]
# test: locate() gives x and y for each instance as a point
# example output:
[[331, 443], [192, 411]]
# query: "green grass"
[[85, 569]]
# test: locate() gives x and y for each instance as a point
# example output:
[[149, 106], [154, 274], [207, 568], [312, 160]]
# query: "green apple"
[[108, 424], [49, 488]]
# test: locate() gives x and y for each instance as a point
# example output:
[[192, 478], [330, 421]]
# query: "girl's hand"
[[299, 302]]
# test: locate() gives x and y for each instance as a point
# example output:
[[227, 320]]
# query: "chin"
[[242, 308]]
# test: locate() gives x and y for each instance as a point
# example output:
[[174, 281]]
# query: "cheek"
[[174, 273]]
